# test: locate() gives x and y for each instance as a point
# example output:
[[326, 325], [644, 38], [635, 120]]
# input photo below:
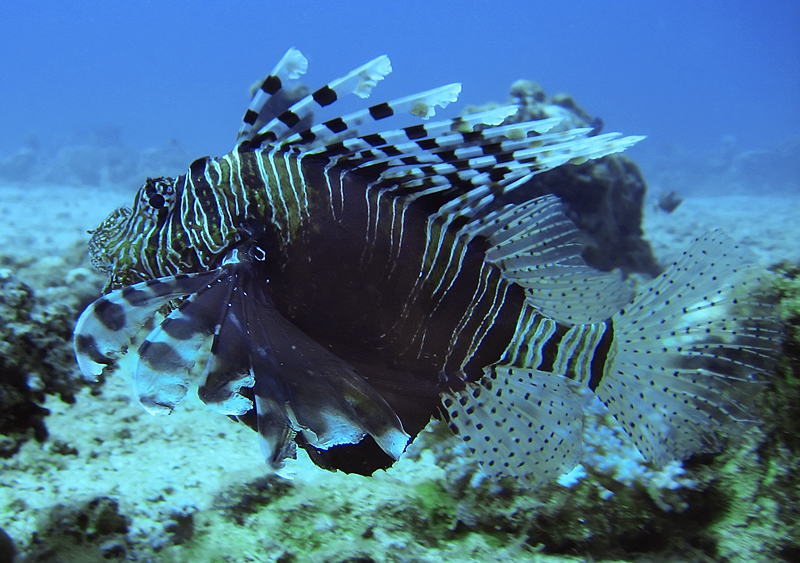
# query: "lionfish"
[[336, 290]]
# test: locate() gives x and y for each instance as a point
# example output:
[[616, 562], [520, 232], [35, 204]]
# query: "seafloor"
[[112, 483]]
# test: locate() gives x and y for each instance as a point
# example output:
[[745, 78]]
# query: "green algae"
[[786, 290], [359, 520]]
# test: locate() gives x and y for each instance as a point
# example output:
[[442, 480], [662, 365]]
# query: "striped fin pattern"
[[270, 98], [106, 328], [359, 82]]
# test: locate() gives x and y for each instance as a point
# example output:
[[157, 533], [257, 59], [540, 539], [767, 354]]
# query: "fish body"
[[353, 287]]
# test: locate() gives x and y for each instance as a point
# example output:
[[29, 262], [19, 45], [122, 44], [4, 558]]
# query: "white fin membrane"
[[688, 350]]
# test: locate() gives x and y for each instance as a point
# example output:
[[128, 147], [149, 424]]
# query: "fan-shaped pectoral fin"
[[324, 398]]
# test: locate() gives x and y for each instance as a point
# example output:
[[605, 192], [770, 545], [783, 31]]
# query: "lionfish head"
[[121, 246]]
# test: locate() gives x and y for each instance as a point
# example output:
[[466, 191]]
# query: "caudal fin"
[[688, 352]]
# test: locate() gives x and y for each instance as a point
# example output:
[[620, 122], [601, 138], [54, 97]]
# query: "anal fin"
[[522, 423]]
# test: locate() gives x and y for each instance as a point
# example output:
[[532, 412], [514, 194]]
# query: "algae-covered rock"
[[752, 489], [40, 299], [614, 506], [88, 532], [786, 288]]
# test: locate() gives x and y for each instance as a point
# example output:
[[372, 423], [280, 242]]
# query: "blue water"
[[685, 73]]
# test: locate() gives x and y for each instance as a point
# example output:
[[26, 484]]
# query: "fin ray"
[[538, 247], [272, 96], [359, 82]]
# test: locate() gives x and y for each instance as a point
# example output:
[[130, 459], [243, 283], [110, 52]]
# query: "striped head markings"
[[124, 246]]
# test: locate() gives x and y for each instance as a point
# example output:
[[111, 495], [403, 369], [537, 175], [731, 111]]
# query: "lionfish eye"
[[157, 201], [159, 193]]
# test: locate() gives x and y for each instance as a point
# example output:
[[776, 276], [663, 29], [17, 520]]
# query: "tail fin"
[[688, 351]]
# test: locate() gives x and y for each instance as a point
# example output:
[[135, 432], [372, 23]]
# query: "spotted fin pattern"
[[688, 357], [520, 422]]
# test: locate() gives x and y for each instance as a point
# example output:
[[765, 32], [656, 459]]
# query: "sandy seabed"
[[160, 468]]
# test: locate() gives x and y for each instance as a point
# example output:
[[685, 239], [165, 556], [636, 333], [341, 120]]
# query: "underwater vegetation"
[[435, 504]]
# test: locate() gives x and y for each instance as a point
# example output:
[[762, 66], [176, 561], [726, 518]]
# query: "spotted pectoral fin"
[[523, 423], [107, 326]]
